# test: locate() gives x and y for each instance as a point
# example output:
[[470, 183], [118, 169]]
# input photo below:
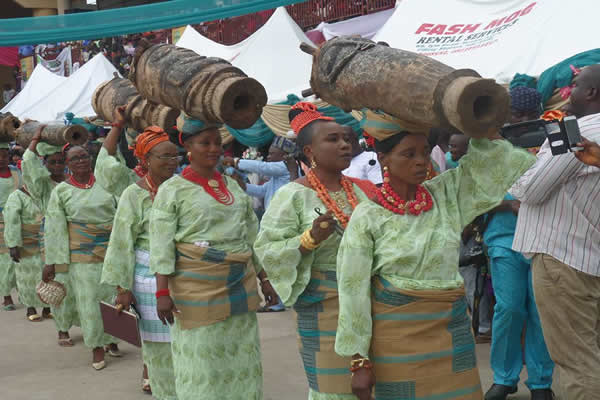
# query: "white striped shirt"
[[560, 206]]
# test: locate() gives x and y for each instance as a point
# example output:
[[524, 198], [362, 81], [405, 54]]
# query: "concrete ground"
[[34, 367]]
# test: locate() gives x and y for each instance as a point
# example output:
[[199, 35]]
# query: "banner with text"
[[497, 38]]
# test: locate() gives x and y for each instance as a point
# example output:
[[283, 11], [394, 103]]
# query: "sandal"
[[47, 314], [112, 353], [146, 386], [65, 342], [34, 318], [9, 307], [99, 365]]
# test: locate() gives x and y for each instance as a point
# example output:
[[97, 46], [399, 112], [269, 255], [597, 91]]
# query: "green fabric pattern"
[[184, 212], [419, 252], [7, 186], [88, 292], [29, 273], [8, 280], [37, 179], [71, 204], [218, 361], [312, 395], [112, 173], [290, 213], [130, 231], [159, 360], [66, 315], [121, 21], [19, 209], [260, 134]]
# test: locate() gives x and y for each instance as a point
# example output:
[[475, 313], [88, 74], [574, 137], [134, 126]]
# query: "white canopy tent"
[[497, 38], [193, 40], [271, 55], [366, 26], [74, 94], [41, 83]]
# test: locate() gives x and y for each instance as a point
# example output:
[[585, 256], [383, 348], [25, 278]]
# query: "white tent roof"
[[504, 37], [41, 83], [366, 26], [191, 39], [74, 94], [272, 55]]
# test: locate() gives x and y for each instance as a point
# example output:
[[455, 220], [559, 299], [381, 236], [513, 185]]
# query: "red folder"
[[123, 325]]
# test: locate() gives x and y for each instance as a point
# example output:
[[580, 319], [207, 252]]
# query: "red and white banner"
[[498, 38]]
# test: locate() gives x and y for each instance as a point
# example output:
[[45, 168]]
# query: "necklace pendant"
[[213, 183]]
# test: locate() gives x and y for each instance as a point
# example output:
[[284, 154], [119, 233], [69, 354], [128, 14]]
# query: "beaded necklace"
[[87, 185], [325, 197], [389, 199], [152, 187], [215, 187]]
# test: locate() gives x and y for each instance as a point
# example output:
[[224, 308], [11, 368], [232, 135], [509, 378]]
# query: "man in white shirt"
[[559, 225], [364, 164]]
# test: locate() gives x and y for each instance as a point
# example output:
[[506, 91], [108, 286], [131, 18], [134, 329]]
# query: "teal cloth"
[[501, 228], [560, 75], [450, 163], [120, 21], [260, 134], [523, 80], [80, 121]]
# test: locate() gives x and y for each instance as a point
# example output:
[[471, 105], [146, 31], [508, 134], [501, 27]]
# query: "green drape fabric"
[[106, 23]]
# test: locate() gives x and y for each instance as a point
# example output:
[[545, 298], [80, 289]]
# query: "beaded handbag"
[[52, 293]]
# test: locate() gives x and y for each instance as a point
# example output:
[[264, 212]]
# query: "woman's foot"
[[98, 362], [46, 313], [113, 350], [64, 340], [8, 304], [32, 315], [146, 381]]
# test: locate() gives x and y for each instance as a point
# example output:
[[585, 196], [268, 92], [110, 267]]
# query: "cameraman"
[[559, 226]]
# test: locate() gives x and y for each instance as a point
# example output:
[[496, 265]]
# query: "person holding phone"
[[558, 227]]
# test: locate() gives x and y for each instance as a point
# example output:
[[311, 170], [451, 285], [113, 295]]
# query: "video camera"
[[562, 135]]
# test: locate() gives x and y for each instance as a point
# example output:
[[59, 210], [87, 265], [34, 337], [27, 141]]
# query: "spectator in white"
[[559, 226], [364, 164], [8, 93]]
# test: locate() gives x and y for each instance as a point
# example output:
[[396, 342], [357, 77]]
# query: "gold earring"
[[313, 164]]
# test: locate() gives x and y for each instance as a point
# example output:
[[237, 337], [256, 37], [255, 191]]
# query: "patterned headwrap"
[[45, 149], [309, 114], [524, 99], [151, 136], [381, 126], [285, 145], [189, 127]]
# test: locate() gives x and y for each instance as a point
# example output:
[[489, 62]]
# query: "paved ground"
[[33, 367]]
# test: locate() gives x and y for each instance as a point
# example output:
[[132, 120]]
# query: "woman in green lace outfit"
[[202, 228], [403, 314], [22, 223], [10, 180], [78, 224], [298, 248], [127, 257], [44, 168]]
